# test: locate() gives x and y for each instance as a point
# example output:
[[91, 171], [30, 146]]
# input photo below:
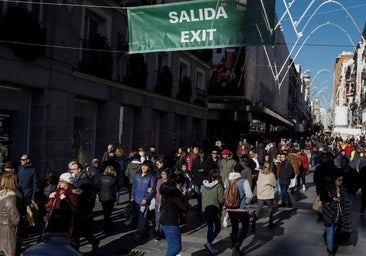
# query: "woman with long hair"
[[9, 215], [337, 214], [107, 188], [172, 205], [266, 184]]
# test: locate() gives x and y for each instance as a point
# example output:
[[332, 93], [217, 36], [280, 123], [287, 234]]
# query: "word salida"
[[202, 14]]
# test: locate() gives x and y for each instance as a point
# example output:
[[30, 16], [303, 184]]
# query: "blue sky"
[[325, 34]]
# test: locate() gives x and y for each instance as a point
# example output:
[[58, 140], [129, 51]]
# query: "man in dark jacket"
[[28, 179], [29, 187], [199, 173], [286, 174], [86, 201]]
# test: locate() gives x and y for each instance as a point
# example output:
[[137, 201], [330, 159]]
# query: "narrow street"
[[297, 233]]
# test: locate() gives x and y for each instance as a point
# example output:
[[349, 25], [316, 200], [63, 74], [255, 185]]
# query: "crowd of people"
[[266, 172]]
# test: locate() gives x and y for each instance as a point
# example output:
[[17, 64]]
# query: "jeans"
[[157, 219], [198, 192], [173, 237], [330, 237], [285, 197], [212, 215], [278, 191]]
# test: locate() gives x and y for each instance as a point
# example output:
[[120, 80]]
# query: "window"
[[95, 34], [95, 22], [163, 60], [183, 69], [200, 79], [35, 6]]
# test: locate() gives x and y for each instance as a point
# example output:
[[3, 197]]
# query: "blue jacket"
[[143, 187], [28, 183]]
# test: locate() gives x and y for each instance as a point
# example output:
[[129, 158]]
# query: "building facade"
[[76, 89], [68, 87]]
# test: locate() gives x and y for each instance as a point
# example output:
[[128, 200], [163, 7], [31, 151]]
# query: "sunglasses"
[[340, 180]]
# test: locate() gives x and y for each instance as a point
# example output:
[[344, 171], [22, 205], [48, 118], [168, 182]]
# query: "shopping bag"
[[293, 182], [32, 213], [317, 204]]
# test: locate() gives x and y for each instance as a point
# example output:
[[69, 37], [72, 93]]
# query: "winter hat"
[[67, 177]]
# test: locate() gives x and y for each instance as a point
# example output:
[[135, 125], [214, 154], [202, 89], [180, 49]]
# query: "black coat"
[[173, 203], [200, 169], [87, 193], [107, 188]]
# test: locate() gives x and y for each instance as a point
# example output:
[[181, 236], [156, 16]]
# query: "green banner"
[[200, 25]]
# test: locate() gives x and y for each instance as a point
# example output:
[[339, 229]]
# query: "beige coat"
[[266, 184], [9, 221]]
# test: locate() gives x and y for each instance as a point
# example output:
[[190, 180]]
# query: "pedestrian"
[[266, 184], [212, 200], [107, 188], [276, 168], [199, 174], [240, 215], [47, 186], [164, 177], [8, 166], [132, 168], [29, 187], [294, 159], [110, 149], [86, 202], [362, 180], [9, 215], [143, 191], [337, 214], [286, 174], [121, 178], [172, 204], [304, 168], [351, 178], [63, 199]]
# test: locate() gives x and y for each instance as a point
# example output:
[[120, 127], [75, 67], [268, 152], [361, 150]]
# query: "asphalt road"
[[297, 233]]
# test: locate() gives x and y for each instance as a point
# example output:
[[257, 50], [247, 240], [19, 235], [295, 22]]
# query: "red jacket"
[[304, 162]]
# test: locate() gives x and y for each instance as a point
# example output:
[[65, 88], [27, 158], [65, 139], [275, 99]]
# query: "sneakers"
[[303, 187], [225, 221], [212, 250]]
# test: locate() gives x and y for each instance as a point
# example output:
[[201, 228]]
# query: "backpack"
[[232, 195]]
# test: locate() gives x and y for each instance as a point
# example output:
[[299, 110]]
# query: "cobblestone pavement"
[[297, 233]]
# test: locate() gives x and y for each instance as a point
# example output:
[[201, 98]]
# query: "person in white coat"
[[266, 184]]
